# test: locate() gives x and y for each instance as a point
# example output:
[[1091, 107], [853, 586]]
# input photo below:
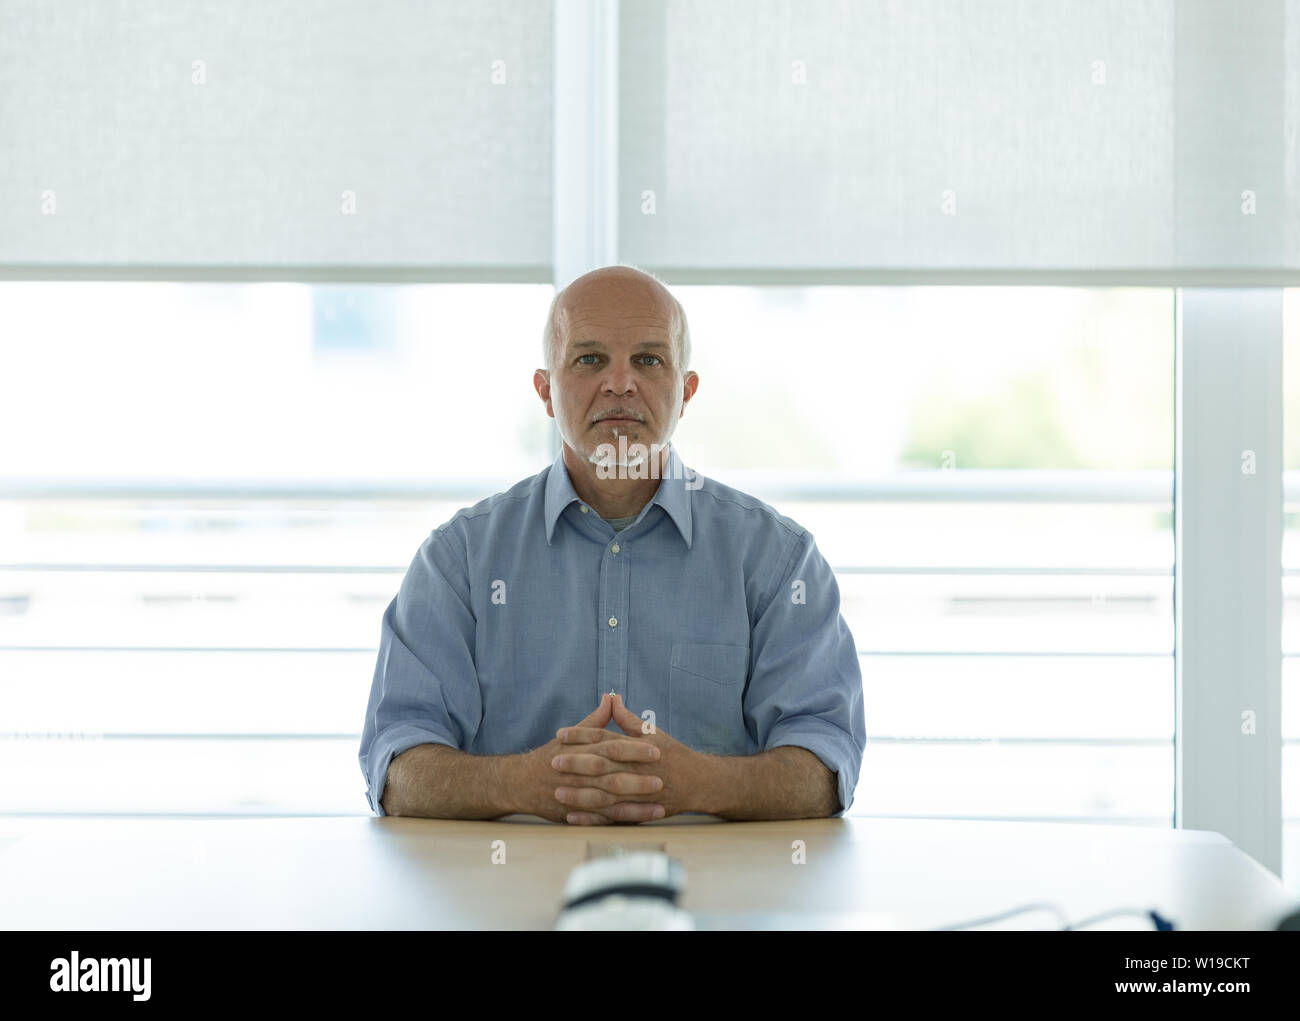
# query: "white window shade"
[[1000, 103], [392, 101]]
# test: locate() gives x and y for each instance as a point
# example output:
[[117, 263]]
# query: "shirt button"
[[584, 508], [613, 622], [614, 548]]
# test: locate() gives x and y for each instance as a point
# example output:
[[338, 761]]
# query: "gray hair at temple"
[[681, 328]]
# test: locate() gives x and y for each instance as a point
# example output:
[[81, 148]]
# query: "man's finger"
[[599, 759], [584, 797], [611, 745], [625, 784], [601, 715], [583, 765], [584, 735], [634, 811], [591, 797], [588, 819], [629, 721]]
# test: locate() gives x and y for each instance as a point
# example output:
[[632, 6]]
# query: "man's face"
[[616, 371]]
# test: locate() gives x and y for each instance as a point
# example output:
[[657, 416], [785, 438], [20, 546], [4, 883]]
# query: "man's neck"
[[613, 497]]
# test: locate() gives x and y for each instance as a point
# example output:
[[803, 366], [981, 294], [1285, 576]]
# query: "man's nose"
[[620, 380]]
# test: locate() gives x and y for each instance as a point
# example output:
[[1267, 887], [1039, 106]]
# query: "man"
[[703, 626]]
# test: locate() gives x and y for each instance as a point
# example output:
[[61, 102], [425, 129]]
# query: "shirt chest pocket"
[[706, 687]]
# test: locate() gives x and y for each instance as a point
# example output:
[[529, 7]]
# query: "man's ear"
[[542, 384], [690, 383]]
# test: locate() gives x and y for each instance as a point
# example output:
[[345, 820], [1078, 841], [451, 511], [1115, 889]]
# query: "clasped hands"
[[601, 777]]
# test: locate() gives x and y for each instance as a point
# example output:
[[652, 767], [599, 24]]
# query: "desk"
[[68, 873]]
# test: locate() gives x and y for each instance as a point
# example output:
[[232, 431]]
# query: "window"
[[194, 592], [989, 471], [211, 493]]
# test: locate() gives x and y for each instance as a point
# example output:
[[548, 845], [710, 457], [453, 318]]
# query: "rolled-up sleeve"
[[805, 684], [425, 689]]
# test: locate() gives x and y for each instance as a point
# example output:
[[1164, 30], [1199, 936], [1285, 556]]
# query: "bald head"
[[634, 295]]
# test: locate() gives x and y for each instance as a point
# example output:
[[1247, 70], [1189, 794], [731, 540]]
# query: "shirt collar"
[[672, 494]]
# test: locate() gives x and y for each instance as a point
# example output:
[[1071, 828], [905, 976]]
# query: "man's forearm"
[[435, 781], [781, 783]]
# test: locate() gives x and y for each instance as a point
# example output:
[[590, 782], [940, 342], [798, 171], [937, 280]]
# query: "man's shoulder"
[[740, 511], [508, 505]]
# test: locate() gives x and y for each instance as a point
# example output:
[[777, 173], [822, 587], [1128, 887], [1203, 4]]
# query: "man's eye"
[[656, 358]]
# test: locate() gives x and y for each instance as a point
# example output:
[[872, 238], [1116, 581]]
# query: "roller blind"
[[183, 133], [1039, 134]]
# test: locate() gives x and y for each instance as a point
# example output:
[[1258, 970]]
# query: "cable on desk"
[[1006, 914], [1161, 923]]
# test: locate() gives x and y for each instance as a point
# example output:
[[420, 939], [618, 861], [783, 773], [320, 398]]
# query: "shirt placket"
[[614, 621]]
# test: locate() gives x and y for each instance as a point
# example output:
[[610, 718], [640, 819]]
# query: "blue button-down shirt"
[[711, 610]]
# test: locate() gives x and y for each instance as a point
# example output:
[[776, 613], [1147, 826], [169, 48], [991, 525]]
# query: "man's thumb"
[[629, 721], [600, 716]]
